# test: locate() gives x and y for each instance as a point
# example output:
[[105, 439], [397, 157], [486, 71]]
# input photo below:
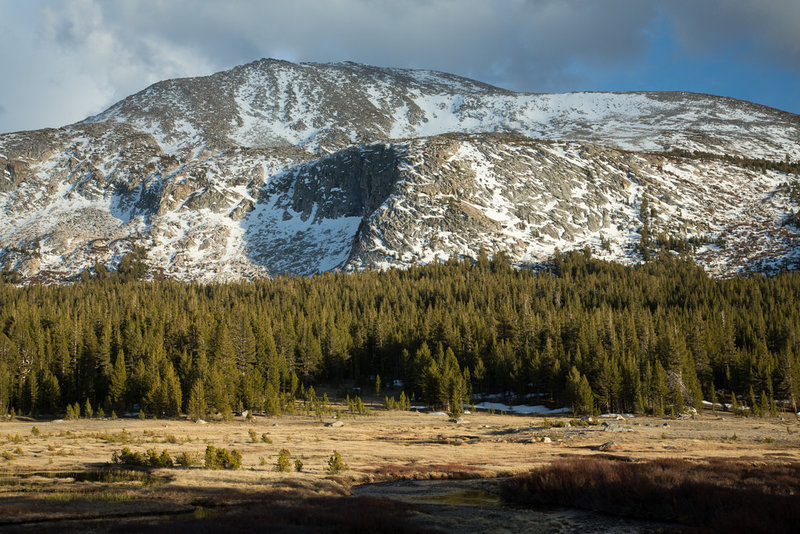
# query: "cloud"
[[524, 44], [764, 32], [75, 58]]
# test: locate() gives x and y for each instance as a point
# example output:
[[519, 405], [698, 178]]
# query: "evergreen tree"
[[196, 407], [579, 393], [119, 377]]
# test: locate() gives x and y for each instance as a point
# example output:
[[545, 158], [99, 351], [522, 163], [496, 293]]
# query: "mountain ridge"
[[275, 167]]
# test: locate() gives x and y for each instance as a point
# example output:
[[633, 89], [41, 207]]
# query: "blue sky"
[[63, 60], [737, 69]]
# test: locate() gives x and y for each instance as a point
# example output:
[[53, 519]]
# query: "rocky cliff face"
[[274, 167]]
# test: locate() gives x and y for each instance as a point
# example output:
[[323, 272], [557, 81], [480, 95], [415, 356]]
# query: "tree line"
[[757, 164], [597, 336]]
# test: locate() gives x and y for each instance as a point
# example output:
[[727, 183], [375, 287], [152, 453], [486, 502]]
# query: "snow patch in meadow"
[[521, 408]]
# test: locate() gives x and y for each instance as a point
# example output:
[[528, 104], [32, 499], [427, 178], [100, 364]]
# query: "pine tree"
[[713, 396], [31, 395], [755, 408], [119, 377], [197, 402], [579, 393], [49, 392], [173, 397], [765, 407]]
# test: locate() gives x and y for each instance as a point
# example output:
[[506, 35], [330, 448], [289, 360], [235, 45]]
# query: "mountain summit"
[[276, 167]]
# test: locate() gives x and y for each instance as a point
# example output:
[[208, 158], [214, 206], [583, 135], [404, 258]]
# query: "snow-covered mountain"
[[275, 167]]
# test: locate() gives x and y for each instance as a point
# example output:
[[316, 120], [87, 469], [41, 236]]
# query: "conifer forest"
[[595, 336]]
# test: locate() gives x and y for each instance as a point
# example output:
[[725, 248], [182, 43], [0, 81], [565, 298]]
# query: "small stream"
[[476, 506]]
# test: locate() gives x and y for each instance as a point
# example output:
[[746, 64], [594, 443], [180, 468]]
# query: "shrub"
[[151, 458], [222, 458], [335, 464], [159, 460], [185, 459], [265, 438], [253, 435], [718, 495], [128, 457], [35, 431], [298, 464], [73, 411], [282, 464]]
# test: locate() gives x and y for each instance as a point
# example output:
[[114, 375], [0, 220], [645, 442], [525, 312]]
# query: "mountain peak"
[[275, 166]]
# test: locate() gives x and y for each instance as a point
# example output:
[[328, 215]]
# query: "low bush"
[[128, 457], [222, 458], [283, 462], [335, 464], [185, 459], [151, 458], [159, 460]]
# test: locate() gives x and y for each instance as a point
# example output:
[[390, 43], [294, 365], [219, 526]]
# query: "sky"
[[64, 60]]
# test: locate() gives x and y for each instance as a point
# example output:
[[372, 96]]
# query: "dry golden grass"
[[63, 470]]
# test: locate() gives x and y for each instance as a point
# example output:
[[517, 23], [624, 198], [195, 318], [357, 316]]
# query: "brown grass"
[[416, 471], [719, 495], [65, 481]]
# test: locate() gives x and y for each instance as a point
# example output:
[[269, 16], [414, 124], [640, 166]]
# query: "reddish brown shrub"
[[718, 494]]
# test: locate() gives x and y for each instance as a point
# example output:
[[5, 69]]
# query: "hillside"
[[275, 167]]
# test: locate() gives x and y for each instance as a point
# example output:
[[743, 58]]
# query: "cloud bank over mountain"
[[68, 59]]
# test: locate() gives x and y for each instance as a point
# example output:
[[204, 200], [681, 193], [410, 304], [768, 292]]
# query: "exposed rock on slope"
[[274, 167]]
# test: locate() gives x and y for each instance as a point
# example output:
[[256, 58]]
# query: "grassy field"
[[59, 474]]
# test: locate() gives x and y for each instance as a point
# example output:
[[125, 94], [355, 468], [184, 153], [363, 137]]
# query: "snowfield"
[[274, 167]]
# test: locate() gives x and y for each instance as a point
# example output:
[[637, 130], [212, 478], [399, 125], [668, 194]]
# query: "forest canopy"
[[596, 336]]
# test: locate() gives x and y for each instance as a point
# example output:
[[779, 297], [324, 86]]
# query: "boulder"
[[609, 446]]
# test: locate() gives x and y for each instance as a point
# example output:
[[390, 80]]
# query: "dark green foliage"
[[578, 393], [159, 460], [222, 458], [644, 339], [128, 457], [335, 464], [758, 164], [283, 463], [151, 458], [131, 266], [185, 459]]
